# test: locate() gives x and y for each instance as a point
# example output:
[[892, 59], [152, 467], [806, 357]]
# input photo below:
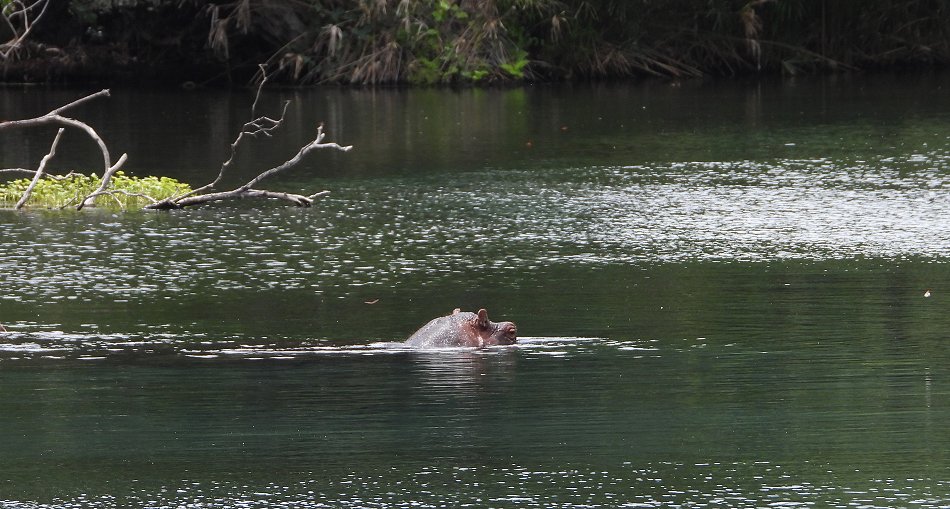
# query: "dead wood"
[[39, 171], [55, 117], [18, 18], [262, 125]]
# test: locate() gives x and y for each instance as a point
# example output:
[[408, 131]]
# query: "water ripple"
[[745, 211], [664, 484], [61, 345]]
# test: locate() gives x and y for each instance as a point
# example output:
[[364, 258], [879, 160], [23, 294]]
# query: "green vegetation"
[[125, 192], [484, 41]]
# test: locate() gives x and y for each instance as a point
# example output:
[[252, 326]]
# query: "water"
[[721, 288]]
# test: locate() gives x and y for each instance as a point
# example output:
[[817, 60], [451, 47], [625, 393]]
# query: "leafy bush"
[[480, 41], [125, 192]]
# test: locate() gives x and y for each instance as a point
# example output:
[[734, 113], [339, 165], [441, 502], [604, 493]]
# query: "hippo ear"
[[482, 318], [456, 311]]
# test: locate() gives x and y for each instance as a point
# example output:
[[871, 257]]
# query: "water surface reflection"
[[721, 289], [661, 485]]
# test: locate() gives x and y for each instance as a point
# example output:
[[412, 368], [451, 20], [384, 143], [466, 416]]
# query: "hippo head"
[[492, 333]]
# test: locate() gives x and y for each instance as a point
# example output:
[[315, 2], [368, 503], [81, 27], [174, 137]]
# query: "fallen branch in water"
[[40, 171], [55, 117], [104, 185], [113, 192], [247, 191], [262, 125]]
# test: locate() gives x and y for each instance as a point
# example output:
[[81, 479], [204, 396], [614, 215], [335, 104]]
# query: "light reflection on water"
[[736, 485], [734, 211], [686, 212], [60, 345]]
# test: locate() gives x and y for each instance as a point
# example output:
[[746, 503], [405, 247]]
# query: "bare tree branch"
[[260, 87], [313, 145], [104, 184], [246, 190], [39, 171], [54, 118], [114, 192], [20, 19], [102, 93], [296, 199], [259, 125], [18, 170]]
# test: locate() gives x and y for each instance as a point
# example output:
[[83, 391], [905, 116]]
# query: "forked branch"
[[55, 117], [261, 125], [18, 18], [247, 191]]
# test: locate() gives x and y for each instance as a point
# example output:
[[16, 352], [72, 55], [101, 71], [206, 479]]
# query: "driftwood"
[[204, 194]]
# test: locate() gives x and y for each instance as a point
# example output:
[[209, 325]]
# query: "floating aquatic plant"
[[125, 192]]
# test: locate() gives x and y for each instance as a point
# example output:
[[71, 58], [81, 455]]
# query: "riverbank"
[[466, 42]]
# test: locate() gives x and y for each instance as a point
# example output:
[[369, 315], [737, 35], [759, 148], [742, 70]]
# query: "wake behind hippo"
[[463, 328]]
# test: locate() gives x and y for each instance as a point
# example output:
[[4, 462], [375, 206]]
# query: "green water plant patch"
[[125, 192]]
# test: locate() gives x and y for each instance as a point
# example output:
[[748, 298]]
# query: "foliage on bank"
[[486, 41], [126, 192]]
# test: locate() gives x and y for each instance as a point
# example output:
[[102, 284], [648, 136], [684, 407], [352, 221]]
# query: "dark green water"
[[720, 289]]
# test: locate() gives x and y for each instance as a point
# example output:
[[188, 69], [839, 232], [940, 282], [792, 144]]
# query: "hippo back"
[[442, 331], [463, 329]]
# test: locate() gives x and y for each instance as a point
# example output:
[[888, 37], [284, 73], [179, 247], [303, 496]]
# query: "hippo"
[[464, 329]]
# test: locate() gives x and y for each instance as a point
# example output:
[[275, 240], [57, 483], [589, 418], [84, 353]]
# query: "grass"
[[125, 192]]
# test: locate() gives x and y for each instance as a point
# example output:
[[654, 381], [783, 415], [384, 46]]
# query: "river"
[[720, 288]]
